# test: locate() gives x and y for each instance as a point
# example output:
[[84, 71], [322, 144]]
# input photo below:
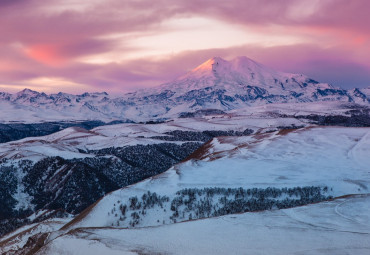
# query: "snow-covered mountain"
[[236, 81], [215, 84], [235, 84]]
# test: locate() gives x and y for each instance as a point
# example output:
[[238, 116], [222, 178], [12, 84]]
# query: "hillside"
[[303, 166]]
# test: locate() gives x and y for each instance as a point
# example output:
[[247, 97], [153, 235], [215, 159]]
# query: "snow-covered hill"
[[74, 167], [76, 142], [336, 158], [215, 84], [331, 159], [336, 227]]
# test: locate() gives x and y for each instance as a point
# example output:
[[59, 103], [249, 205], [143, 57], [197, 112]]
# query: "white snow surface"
[[336, 227], [335, 157], [69, 142]]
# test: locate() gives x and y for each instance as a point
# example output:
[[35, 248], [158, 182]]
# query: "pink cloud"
[[335, 65], [46, 54], [342, 14], [51, 42]]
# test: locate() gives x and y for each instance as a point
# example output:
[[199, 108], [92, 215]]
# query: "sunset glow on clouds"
[[119, 46]]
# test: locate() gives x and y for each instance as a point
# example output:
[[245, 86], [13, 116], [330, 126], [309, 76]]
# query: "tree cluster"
[[194, 203]]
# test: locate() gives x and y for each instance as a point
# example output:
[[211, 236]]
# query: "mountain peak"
[[210, 64], [219, 66], [27, 92], [243, 61]]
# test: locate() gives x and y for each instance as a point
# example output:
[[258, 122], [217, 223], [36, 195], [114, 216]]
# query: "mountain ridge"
[[215, 84]]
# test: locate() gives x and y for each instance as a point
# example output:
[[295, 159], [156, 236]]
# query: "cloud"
[[343, 14], [335, 65], [59, 39]]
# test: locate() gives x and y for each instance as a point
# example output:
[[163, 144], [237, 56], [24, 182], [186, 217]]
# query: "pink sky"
[[119, 46]]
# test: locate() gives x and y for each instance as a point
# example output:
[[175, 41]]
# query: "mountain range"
[[215, 84]]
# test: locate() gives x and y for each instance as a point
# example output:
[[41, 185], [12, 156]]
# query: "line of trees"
[[194, 203]]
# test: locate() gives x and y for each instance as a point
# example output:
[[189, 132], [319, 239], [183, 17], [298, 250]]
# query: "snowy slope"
[[74, 167], [336, 227], [333, 157], [69, 143], [14, 241], [215, 84]]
